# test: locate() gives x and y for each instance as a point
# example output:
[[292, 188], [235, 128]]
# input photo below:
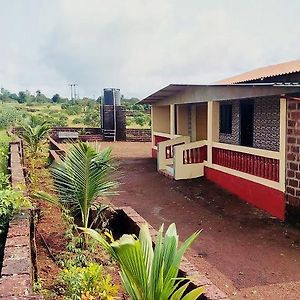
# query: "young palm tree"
[[81, 178], [34, 134], [147, 273]]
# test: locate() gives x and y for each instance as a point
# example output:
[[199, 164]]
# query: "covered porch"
[[237, 140]]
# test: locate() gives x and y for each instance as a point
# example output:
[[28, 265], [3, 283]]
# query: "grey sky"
[[138, 45]]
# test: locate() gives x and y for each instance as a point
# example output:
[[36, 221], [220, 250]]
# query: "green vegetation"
[[34, 135], [4, 144], [60, 112], [82, 178], [149, 273], [88, 282]]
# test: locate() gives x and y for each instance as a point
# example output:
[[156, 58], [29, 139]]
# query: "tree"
[[22, 97], [14, 96], [80, 179], [56, 98], [33, 134]]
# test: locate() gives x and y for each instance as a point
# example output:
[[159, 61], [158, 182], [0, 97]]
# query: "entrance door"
[[247, 117]]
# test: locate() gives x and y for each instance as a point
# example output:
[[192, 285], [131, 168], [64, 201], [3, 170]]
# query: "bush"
[[8, 117], [11, 202], [77, 121], [88, 283], [4, 145]]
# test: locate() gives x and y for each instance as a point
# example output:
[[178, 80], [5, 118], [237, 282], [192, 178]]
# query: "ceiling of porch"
[[188, 93]]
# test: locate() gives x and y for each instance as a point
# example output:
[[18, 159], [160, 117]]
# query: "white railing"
[[165, 151], [189, 160]]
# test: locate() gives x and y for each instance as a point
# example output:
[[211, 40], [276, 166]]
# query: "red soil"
[[245, 252]]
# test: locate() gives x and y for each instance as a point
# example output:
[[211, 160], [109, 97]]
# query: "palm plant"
[[80, 179], [147, 273], [34, 134]]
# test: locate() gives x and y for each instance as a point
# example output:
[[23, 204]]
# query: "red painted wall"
[[266, 198]]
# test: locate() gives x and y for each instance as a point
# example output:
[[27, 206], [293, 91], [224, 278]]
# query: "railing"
[[260, 163], [195, 155], [166, 150], [189, 160]]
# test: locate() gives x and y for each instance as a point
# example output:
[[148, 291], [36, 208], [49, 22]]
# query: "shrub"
[[147, 273], [11, 202], [8, 117], [88, 283], [77, 121]]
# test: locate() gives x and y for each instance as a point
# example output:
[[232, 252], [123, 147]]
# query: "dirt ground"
[[245, 252]]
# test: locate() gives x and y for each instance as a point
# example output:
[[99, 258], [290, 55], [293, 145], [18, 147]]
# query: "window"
[[226, 118]]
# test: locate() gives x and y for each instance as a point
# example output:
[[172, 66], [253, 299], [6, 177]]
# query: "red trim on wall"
[[158, 139], [154, 153], [263, 197]]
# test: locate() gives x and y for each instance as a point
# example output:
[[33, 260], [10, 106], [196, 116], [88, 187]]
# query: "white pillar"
[[194, 123], [172, 120], [212, 127]]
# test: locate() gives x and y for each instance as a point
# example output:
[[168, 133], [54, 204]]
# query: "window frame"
[[226, 118]]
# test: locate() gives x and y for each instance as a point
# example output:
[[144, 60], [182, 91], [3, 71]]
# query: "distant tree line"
[[27, 97]]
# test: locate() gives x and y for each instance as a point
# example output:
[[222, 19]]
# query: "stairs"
[[168, 171], [109, 134]]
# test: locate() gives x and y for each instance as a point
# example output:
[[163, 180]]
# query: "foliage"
[[77, 121], [4, 145], [56, 98], [8, 116], [91, 117], [4, 180], [148, 273], [11, 202], [81, 178], [88, 283], [34, 134]]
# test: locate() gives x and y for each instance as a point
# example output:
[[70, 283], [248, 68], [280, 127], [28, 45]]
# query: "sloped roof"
[[264, 72]]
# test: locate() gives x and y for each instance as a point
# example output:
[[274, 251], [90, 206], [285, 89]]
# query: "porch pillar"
[[212, 127], [193, 123], [172, 120], [282, 144]]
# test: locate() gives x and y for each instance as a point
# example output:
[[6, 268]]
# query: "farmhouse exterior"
[[243, 133]]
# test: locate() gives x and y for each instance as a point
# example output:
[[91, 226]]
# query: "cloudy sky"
[[140, 45]]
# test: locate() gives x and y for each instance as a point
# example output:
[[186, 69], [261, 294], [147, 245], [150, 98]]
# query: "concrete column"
[[212, 127], [172, 120], [193, 123]]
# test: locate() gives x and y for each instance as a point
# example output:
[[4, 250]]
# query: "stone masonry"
[[16, 275], [293, 159]]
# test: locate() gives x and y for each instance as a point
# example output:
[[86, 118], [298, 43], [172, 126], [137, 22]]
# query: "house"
[[243, 133]]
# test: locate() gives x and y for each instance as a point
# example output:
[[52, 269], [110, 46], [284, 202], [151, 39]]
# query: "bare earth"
[[242, 250]]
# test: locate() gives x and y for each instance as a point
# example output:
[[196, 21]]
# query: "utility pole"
[[71, 86], [73, 91]]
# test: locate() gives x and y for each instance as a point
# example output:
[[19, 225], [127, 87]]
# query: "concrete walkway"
[[243, 251]]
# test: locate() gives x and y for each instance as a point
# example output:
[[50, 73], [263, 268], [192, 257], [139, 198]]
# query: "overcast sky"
[[140, 46]]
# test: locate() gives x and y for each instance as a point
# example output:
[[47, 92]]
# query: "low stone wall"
[[138, 135], [16, 276], [129, 221]]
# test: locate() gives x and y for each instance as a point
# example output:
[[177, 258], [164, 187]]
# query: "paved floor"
[[243, 251]]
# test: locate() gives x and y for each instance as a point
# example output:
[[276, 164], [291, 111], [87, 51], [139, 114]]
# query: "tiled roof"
[[264, 72]]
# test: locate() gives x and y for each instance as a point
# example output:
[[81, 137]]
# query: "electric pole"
[[73, 91]]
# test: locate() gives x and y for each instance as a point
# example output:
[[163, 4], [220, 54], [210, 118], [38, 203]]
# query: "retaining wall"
[[138, 135], [129, 221], [17, 276]]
